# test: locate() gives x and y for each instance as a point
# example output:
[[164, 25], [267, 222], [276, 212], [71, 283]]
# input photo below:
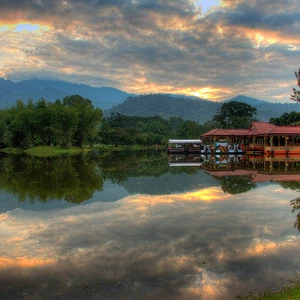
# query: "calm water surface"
[[137, 225]]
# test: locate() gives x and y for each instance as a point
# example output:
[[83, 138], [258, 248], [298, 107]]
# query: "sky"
[[212, 49]]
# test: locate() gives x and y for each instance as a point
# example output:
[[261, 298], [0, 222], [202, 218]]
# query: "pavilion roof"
[[286, 130], [255, 129], [227, 132]]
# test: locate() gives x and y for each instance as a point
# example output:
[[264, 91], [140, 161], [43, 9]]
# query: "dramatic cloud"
[[143, 46]]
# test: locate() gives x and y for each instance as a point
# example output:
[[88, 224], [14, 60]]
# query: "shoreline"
[[44, 151]]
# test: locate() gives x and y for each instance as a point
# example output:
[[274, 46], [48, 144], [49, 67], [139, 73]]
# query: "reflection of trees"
[[118, 166], [73, 178], [293, 185], [295, 206], [121, 165], [236, 184]]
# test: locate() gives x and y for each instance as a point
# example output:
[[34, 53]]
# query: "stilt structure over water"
[[260, 138]]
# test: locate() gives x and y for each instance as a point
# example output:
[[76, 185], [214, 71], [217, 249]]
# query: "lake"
[[141, 225]]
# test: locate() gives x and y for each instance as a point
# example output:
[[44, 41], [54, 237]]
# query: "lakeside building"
[[259, 138]]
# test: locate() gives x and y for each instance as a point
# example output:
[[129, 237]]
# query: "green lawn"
[[134, 147], [54, 151], [44, 151], [12, 150]]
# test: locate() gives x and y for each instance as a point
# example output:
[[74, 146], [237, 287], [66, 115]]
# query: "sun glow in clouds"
[[207, 93]]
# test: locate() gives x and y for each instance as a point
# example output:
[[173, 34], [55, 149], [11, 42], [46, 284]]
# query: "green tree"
[[292, 118], [189, 130], [89, 119], [235, 114], [19, 126], [64, 124], [296, 93]]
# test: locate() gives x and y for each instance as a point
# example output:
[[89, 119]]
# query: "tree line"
[[119, 129], [75, 121], [287, 119], [72, 121]]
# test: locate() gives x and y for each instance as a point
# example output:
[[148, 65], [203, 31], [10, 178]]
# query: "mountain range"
[[198, 110], [103, 97], [115, 100]]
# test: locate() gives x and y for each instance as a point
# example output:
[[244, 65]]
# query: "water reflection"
[[72, 178], [268, 164], [148, 247], [295, 203], [77, 178], [181, 233]]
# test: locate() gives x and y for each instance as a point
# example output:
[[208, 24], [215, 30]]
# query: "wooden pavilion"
[[259, 138]]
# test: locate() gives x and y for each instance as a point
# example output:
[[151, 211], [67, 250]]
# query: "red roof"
[[286, 130], [258, 128], [255, 129], [227, 132]]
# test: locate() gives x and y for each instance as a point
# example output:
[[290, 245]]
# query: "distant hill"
[[248, 100], [167, 106], [114, 100], [198, 110], [103, 97], [265, 109]]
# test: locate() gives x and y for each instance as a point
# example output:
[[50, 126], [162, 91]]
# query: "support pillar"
[[271, 142]]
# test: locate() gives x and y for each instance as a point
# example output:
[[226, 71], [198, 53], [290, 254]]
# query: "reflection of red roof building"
[[256, 176], [259, 137]]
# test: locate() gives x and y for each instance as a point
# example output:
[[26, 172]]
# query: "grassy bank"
[[54, 151], [12, 150], [44, 151], [134, 147], [287, 293]]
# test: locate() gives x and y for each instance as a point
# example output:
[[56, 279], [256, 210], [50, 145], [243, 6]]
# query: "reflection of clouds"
[[204, 195], [24, 262], [186, 245], [261, 246]]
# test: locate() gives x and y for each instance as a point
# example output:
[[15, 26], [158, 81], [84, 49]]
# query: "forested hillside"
[[197, 110], [167, 106]]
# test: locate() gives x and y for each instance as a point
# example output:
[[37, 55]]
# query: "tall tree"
[[235, 114], [296, 93], [292, 118], [89, 118]]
